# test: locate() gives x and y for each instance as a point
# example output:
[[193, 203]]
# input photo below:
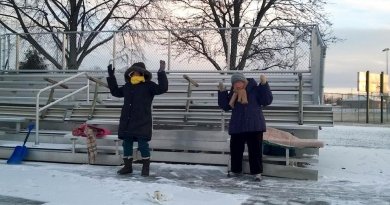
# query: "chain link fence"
[[352, 107], [276, 48]]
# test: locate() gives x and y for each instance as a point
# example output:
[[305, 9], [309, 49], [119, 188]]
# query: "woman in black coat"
[[247, 124], [135, 122]]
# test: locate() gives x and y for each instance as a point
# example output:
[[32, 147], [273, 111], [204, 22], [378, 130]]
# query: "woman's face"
[[239, 85]]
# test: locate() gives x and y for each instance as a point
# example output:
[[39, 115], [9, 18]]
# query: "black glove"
[[162, 66], [110, 70]]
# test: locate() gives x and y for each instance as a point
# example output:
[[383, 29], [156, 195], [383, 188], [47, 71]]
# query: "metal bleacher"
[[190, 104]]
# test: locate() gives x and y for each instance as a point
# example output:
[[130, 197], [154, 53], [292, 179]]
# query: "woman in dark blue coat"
[[135, 122], [247, 124]]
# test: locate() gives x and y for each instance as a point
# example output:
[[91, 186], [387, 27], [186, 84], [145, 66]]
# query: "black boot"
[[128, 168], [145, 167]]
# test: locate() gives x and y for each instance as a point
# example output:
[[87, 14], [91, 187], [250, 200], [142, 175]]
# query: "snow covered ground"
[[354, 168]]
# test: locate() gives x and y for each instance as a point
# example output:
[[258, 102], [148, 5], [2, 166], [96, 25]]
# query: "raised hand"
[[110, 70], [162, 66], [263, 79]]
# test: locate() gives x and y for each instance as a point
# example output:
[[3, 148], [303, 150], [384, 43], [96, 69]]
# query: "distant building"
[[360, 102]]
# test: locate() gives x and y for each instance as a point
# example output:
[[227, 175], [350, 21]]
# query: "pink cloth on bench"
[[99, 132], [283, 138]]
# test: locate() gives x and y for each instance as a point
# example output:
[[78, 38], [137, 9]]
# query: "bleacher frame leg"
[[116, 147], [287, 156], [73, 146], [17, 127]]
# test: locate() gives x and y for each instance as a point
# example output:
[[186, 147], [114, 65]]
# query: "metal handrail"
[[190, 80], [38, 109], [97, 81], [189, 93]]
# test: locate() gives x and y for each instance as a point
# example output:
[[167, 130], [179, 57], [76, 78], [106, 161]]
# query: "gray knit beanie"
[[238, 77]]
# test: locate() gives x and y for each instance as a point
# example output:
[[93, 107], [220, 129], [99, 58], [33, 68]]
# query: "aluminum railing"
[[39, 109]]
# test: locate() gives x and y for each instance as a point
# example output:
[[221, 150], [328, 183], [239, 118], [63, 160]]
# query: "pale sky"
[[365, 27]]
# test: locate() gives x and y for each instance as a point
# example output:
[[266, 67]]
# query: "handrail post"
[[49, 100], [300, 100], [88, 91], [98, 83], [37, 119], [95, 99], [189, 93], [38, 110]]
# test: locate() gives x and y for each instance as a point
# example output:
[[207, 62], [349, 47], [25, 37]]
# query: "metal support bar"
[[95, 97], [287, 156], [1, 53], [49, 100], [18, 127], [98, 81], [228, 41], [17, 52], [54, 82], [64, 45], [295, 49], [300, 100], [169, 49], [9, 52], [189, 93], [190, 80], [113, 49], [381, 93], [51, 95], [117, 147], [73, 145], [367, 96]]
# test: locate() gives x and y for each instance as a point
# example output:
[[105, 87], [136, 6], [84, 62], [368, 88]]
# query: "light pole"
[[387, 60], [387, 73]]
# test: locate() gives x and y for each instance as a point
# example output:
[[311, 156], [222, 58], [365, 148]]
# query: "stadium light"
[[387, 59]]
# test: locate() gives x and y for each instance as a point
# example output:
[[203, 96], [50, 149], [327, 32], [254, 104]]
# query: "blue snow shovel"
[[20, 152]]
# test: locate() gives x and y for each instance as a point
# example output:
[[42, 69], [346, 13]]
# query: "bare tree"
[[80, 20], [267, 20]]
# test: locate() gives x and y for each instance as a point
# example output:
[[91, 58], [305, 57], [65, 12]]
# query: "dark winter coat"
[[247, 117], [136, 115]]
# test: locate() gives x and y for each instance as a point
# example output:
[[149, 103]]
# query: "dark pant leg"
[[255, 144], [237, 146], [143, 146], [127, 147]]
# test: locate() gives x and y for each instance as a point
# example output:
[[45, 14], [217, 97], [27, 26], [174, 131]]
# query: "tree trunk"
[[73, 50], [72, 57], [234, 34], [233, 49]]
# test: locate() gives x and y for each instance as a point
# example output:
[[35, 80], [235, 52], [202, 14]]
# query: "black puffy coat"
[[248, 117], [136, 115]]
